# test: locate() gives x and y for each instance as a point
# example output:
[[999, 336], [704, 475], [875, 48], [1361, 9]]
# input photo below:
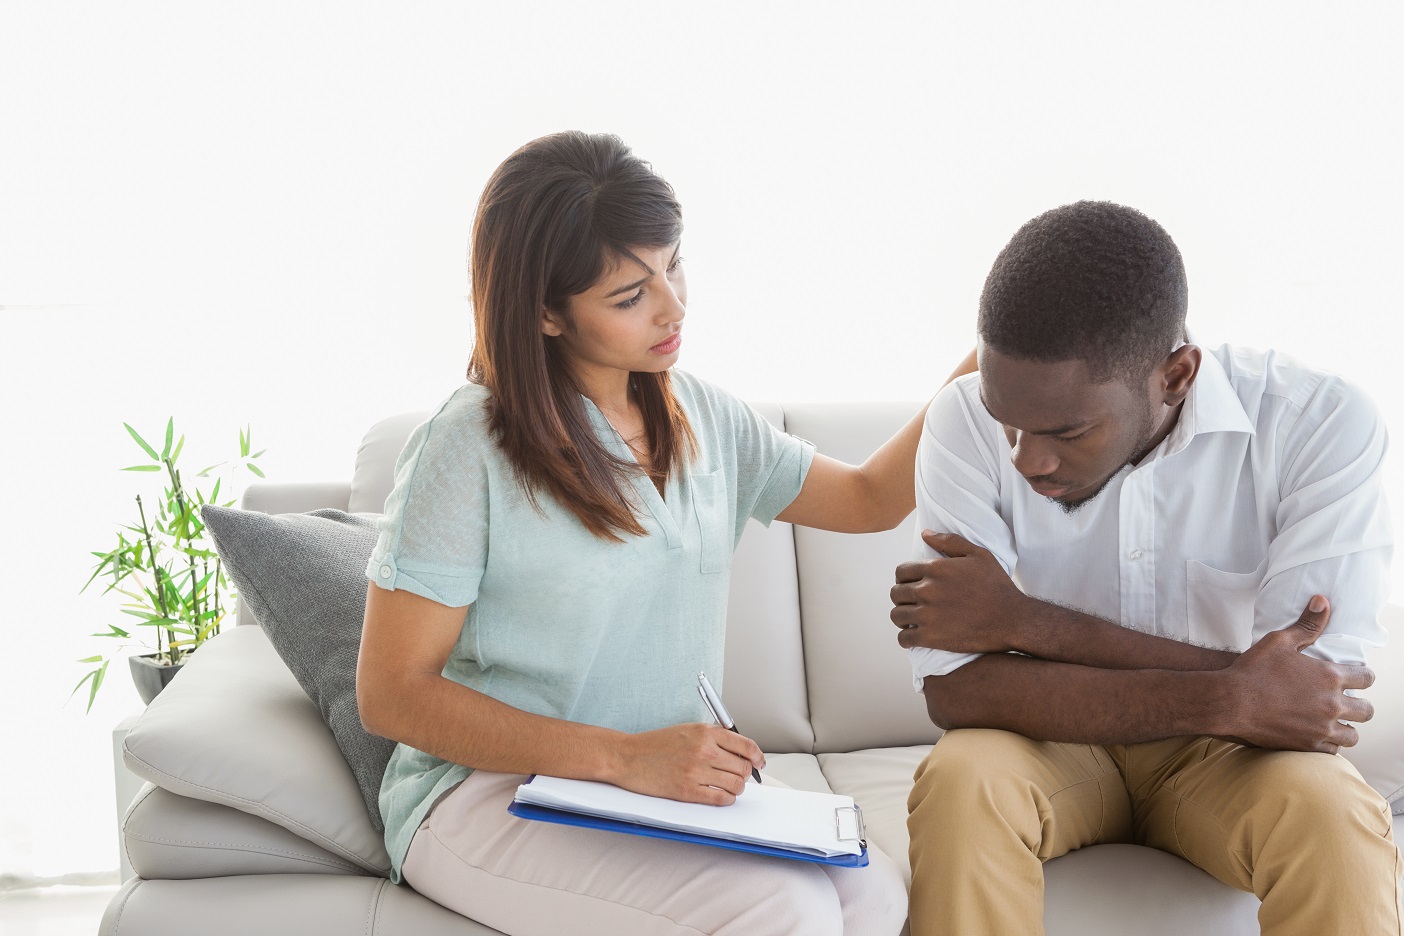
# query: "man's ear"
[[1178, 373], [552, 323]]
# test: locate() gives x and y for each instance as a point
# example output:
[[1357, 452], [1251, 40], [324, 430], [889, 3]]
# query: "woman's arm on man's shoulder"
[[876, 495]]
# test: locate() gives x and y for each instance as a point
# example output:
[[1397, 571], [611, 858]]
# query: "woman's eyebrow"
[[632, 286]]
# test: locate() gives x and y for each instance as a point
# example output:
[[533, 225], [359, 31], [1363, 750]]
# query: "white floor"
[[54, 911]]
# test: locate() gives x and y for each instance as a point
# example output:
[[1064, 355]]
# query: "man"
[[1165, 512]]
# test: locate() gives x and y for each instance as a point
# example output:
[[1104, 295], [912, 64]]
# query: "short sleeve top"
[[558, 621]]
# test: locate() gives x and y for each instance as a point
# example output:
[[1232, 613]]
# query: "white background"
[[258, 213]]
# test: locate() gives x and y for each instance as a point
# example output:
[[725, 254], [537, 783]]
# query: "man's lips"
[[1050, 490], [669, 346]]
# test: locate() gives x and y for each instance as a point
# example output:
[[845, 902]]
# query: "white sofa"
[[251, 822]]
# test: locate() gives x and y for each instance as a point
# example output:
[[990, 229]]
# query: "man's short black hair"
[[1091, 281]]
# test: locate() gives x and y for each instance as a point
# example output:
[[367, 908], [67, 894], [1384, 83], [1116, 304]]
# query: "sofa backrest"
[[811, 661]]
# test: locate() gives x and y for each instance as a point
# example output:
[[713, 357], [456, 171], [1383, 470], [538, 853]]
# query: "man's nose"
[[1033, 456]]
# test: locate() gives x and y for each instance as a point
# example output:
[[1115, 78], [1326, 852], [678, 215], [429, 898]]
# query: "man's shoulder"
[[1287, 398]]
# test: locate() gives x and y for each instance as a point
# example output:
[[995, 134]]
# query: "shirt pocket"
[[1219, 605], [714, 515]]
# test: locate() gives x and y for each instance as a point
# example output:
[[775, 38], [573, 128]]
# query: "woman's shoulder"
[[702, 398], [458, 428]]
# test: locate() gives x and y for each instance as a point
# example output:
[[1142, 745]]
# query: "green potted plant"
[[167, 569]]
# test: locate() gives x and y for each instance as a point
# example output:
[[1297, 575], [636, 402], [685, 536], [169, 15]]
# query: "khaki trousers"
[[1303, 832], [526, 878]]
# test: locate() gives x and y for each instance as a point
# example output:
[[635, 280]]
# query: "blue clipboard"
[[546, 814]]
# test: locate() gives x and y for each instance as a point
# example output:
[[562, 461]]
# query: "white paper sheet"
[[763, 815]]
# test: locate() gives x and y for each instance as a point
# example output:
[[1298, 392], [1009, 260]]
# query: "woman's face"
[[630, 320]]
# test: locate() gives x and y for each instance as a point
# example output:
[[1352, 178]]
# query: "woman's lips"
[[669, 346]]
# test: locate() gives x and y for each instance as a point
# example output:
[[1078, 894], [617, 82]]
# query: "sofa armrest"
[[235, 728]]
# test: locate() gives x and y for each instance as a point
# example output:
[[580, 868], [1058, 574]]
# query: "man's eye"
[[1073, 438]]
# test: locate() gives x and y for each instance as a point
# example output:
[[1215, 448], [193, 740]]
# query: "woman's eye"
[[631, 301], [677, 262]]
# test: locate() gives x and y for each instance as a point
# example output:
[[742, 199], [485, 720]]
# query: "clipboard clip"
[[861, 834]]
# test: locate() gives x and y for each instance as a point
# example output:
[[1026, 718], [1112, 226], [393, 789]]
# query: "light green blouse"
[[560, 622]]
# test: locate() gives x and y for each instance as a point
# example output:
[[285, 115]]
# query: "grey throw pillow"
[[304, 578]]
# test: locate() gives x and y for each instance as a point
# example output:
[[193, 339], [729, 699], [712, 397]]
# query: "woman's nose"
[[674, 307]]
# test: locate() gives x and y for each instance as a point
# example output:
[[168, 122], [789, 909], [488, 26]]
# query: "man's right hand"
[[1282, 699], [694, 763]]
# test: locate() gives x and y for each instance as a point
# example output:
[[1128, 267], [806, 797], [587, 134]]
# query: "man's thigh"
[[1224, 807], [1056, 796]]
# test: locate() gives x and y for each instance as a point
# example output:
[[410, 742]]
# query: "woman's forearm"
[[441, 717], [876, 495], [889, 474]]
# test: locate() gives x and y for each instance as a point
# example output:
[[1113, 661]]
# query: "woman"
[[551, 576]]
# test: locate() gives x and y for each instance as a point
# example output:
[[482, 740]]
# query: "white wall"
[[258, 213]]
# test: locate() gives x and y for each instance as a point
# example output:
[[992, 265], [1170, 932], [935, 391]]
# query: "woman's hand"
[[693, 763]]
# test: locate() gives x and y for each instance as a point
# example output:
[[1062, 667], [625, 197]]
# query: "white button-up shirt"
[[1266, 492]]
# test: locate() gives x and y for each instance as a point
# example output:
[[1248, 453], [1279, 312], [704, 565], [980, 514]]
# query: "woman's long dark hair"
[[552, 219]]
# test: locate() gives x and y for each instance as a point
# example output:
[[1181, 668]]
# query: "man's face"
[[1069, 435]]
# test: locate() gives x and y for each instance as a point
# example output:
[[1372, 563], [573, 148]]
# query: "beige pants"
[[525, 877], [1303, 832]]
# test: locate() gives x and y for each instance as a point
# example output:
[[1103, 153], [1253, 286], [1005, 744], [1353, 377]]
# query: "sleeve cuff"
[[451, 591], [926, 662]]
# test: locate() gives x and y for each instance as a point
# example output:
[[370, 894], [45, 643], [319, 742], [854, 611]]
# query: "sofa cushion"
[[280, 905], [303, 576], [169, 836], [235, 728], [860, 683]]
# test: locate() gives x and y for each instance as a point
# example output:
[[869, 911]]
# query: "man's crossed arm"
[[1055, 674]]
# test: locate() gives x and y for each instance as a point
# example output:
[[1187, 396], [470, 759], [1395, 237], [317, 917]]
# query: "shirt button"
[[1136, 555], [386, 571]]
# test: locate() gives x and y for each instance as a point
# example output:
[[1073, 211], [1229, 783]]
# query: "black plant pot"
[[150, 675]]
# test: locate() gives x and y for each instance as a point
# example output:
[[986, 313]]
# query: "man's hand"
[[964, 603], [694, 763], [1285, 700]]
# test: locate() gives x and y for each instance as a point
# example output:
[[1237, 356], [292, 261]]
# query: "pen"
[[719, 712]]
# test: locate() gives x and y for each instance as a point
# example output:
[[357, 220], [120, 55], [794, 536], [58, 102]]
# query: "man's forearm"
[[1063, 635], [1050, 701]]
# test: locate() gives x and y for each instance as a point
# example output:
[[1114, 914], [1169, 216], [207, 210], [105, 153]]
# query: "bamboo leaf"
[[142, 442], [143, 468], [170, 435], [91, 659], [95, 677], [255, 470], [176, 454], [97, 684]]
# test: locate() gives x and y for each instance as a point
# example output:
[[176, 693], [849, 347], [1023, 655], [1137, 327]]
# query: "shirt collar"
[[1211, 406]]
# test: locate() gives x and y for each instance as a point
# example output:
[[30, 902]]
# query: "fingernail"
[[1317, 603]]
